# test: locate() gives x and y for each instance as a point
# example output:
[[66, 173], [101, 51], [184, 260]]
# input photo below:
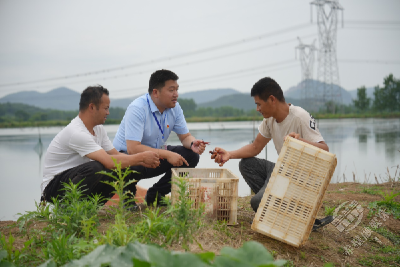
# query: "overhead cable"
[[200, 51]]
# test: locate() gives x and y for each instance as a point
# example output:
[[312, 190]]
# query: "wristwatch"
[[191, 144]]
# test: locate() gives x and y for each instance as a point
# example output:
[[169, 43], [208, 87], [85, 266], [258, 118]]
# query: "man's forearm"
[[321, 145], [128, 160], [141, 148], [188, 141], [246, 151]]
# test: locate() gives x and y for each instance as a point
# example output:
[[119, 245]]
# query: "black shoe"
[[131, 206], [321, 223], [160, 202]]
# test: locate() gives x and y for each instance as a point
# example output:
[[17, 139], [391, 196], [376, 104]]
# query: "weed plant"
[[10, 253], [71, 214], [329, 210], [186, 219], [387, 203], [119, 233], [70, 233]]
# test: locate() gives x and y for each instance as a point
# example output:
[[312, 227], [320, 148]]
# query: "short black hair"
[[92, 94], [159, 77], [266, 87]]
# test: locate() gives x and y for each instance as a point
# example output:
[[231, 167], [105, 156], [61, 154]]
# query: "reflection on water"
[[364, 147]]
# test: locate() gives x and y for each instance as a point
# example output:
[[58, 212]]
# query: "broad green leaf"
[[3, 254], [105, 254], [49, 263], [251, 252], [206, 256], [250, 255]]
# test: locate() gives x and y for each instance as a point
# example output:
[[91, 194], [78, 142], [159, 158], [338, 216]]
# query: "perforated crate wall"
[[294, 193], [217, 188]]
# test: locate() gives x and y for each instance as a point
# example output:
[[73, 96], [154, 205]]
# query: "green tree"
[[387, 98], [187, 105], [21, 115], [362, 102]]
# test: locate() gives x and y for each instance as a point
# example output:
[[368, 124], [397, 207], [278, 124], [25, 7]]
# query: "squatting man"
[[280, 120], [82, 148]]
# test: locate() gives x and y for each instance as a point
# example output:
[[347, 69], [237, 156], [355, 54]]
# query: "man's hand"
[[220, 156], [320, 144], [199, 146], [150, 159], [294, 135], [176, 160]]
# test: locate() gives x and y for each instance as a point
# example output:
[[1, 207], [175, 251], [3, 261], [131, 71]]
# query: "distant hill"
[[208, 95], [240, 101], [60, 98], [66, 99], [122, 102], [295, 92], [63, 98]]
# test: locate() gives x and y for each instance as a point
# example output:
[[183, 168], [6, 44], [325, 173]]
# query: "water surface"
[[364, 148]]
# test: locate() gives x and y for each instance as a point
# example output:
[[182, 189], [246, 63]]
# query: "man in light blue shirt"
[[146, 126]]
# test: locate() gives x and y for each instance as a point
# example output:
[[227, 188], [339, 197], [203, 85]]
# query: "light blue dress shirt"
[[140, 125]]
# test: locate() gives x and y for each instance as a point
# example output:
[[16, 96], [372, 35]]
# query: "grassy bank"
[[18, 124], [82, 232]]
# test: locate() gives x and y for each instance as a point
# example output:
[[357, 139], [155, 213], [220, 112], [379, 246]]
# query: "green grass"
[[378, 260], [394, 238], [329, 210], [71, 233], [388, 203], [19, 124], [370, 191]]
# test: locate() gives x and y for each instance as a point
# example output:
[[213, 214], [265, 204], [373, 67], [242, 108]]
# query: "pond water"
[[364, 148]]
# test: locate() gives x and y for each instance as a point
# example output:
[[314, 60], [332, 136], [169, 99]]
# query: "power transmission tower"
[[328, 71], [307, 55]]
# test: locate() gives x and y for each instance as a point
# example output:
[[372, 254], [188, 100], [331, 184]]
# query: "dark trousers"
[[256, 172], [92, 182], [163, 186], [85, 173]]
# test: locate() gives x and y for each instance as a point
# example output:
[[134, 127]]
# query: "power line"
[[225, 78], [222, 76], [372, 28], [386, 62], [219, 75], [182, 64], [370, 22], [204, 50], [201, 79], [295, 64]]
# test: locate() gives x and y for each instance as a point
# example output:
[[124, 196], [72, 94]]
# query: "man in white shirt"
[[280, 120], [83, 148]]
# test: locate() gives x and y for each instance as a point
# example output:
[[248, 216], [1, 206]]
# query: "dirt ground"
[[325, 245]]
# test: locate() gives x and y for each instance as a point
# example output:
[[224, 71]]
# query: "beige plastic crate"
[[294, 193], [217, 188]]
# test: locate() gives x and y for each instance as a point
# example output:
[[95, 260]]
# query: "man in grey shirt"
[[280, 120]]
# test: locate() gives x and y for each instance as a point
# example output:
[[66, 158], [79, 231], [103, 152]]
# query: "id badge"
[[164, 146]]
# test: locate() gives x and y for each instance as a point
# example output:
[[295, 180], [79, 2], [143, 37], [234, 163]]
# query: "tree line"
[[386, 100], [15, 114], [385, 103]]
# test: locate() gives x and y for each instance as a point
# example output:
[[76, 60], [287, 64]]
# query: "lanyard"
[[154, 115]]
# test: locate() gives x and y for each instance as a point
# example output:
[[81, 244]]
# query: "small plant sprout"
[[119, 184], [329, 211]]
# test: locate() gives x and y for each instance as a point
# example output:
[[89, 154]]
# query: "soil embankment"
[[327, 245]]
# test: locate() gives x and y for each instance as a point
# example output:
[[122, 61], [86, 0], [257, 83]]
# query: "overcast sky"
[[42, 40]]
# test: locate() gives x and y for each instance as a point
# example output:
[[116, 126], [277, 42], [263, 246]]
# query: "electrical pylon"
[[328, 71], [307, 56]]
